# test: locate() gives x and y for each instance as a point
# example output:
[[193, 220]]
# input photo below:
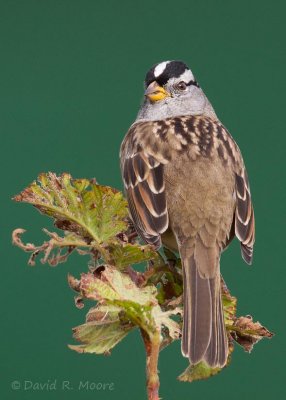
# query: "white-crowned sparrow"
[[187, 186]]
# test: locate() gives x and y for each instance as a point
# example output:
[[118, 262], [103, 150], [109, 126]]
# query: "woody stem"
[[152, 347]]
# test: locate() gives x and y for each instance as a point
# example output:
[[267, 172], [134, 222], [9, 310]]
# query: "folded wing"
[[144, 185], [244, 217]]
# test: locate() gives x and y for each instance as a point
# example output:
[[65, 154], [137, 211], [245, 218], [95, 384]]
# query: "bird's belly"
[[200, 198]]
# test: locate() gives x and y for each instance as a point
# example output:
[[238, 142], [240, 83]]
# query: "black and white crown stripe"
[[167, 70]]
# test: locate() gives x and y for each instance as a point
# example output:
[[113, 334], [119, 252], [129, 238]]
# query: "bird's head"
[[171, 90]]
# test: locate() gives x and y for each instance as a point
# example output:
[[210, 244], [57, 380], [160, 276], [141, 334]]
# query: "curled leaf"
[[74, 283], [55, 251], [247, 333], [78, 300]]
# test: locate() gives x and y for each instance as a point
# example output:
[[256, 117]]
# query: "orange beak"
[[155, 92]]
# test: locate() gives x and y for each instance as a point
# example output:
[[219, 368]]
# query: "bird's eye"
[[182, 86]]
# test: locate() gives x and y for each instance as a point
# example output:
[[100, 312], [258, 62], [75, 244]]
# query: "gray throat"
[[195, 105]]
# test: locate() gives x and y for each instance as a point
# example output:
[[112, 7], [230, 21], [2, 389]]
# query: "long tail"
[[204, 334]]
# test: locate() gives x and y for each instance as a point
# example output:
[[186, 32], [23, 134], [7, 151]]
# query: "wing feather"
[[244, 217], [143, 177]]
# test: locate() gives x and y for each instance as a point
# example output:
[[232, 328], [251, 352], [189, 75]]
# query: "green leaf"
[[197, 372], [126, 289], [99, 336], [114, 285], [124, 254], [138, 305], [103, 311], [78, 205], [102, 331], [94, 288]]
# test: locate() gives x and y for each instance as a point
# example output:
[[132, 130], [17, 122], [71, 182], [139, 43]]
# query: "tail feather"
[[204, 335], [185, 330], [201, 314], [217, 352], [211, 354]]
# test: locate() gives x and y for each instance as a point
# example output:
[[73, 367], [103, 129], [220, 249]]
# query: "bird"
[[187, 188]]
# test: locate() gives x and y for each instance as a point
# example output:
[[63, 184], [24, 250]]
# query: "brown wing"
[[244, 217], [144, 185]]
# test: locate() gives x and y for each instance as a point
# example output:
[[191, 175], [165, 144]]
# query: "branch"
[[95, 222]]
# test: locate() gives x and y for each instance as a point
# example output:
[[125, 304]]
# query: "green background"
[[71, 76]]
